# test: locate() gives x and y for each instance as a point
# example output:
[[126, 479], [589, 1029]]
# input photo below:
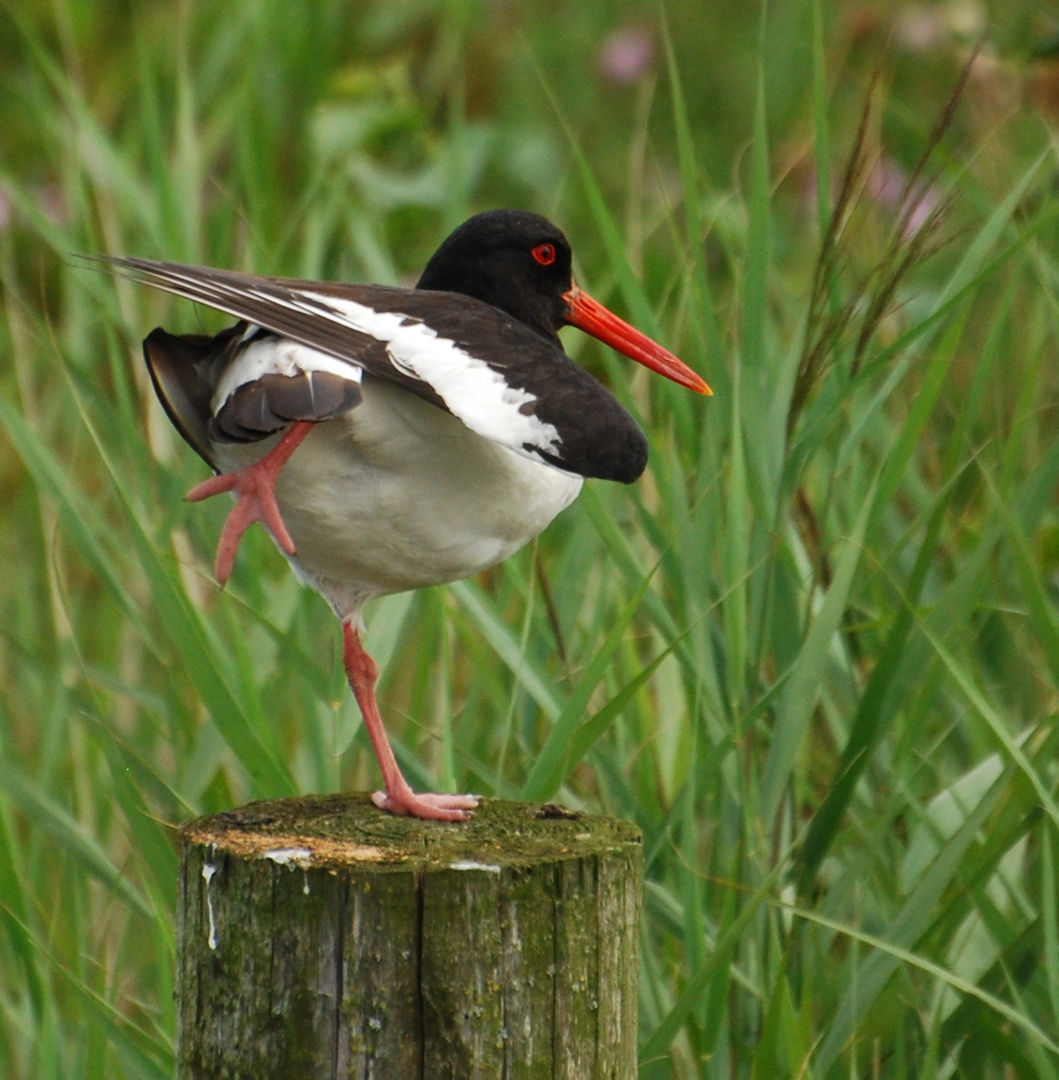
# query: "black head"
[[512, 259]]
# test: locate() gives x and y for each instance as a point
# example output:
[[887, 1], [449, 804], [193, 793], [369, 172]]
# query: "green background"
[[813, 654]]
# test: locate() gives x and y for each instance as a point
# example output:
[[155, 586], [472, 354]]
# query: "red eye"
[[544, 254]]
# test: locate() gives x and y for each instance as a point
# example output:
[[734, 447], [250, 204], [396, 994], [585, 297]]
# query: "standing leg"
[[398, 797]]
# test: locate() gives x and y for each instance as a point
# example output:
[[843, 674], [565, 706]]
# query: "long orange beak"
[[592, 317]]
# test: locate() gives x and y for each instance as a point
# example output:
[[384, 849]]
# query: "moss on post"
[[319, 937]]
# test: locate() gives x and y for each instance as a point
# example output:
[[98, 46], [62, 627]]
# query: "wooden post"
[[319, 937]]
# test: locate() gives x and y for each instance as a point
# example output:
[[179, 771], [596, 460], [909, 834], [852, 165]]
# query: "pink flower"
[[626, 55], [888, 185]]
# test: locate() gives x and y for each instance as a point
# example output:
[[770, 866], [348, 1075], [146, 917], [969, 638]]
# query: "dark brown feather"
[[175, 363], [259, 408]]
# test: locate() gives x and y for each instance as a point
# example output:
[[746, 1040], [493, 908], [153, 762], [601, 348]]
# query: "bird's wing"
[[504, 380]]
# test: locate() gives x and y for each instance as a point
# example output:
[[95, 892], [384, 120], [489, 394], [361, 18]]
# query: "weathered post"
[[318, 937]]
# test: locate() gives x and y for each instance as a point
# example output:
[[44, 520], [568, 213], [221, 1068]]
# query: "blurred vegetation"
[[814, 654]]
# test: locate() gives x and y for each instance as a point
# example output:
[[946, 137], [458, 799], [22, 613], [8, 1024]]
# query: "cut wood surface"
[[320, 937]]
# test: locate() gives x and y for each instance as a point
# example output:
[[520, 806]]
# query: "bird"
[[395, 438]]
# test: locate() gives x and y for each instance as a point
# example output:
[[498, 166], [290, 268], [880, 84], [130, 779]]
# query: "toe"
[[429, 807]]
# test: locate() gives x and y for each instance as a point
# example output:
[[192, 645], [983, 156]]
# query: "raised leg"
[[254, 487], [398, 797]]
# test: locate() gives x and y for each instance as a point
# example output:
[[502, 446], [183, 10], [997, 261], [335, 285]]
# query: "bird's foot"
[[398, 798], [406, 803], [254, 489]]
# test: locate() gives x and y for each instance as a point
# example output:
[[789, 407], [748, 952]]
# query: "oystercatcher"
[[394, 438]]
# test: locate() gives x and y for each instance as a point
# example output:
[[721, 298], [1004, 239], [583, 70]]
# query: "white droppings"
[[292, 856], [468, 864], [208, 870]]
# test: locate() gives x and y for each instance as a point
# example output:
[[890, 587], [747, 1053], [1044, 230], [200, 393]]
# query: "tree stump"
[[320, 937]]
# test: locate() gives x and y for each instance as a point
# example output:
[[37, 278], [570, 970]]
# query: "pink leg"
[[254, 487], [398, 797]]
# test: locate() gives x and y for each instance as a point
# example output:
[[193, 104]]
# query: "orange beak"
[[592, 317]]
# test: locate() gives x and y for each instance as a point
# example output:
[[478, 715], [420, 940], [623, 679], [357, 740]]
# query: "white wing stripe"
[[470, 388]]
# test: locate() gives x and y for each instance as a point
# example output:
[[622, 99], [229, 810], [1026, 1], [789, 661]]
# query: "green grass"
[[813, 654]]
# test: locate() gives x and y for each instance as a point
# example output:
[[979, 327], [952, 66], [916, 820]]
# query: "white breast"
[[397, 494]]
